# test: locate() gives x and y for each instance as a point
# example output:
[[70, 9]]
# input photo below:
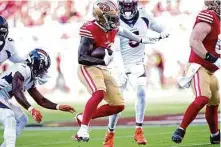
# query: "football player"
[[131, 70], [92, 71], [21, 77], [204, 61], [7, 48]]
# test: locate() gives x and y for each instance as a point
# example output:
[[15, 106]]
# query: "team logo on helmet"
[[104, 7]]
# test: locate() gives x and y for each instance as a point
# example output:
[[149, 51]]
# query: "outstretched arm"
[[42, 101], [17, 90]]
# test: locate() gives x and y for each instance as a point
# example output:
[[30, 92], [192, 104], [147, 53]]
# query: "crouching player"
[[203, 62], [21, 77]]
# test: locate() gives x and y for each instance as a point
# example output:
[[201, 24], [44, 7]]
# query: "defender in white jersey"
[[132, 70], [7, 48], [19, 78]]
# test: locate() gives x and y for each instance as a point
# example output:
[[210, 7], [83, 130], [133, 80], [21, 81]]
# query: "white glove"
[[218, 63], [164, 34], [148, 40], [122, 78], [3, 83], [107, 58]]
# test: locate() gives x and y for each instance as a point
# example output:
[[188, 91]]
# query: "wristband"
[[30, 108], [57, 107], [210, 58]]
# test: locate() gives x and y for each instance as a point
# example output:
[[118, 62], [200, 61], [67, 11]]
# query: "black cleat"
[[178, 135], [215, 139]]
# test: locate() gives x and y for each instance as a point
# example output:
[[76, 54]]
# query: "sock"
[[212, 118], [215, 134], [107, 110], [193, 110], [139, 125], [140, 105], [91, 106], [113, 121]]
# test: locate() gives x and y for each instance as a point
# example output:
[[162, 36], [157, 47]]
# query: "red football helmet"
[[213, 5]]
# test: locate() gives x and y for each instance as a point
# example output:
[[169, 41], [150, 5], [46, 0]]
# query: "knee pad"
[[21, 123]]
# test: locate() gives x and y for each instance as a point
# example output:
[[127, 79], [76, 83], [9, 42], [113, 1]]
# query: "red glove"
[[36, 115], [65, 108]]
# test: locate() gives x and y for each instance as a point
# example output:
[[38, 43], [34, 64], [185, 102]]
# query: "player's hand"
[[107, 58], [36, 115], [218, 63], [3, 83], [164, 34], [66, 108], [122, 77]]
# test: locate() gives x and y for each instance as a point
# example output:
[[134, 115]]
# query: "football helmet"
[[213, 5], [39, 62], [128, 8], [3, 31], [105, 13]]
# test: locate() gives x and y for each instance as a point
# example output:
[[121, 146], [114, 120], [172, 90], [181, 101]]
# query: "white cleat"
[[82, 134]]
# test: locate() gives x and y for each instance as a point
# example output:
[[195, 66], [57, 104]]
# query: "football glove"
[[149, 40], [107, 58], [36, 115], [122, 78], [3, 83], [65, 108], [218, 63], [164, 34]]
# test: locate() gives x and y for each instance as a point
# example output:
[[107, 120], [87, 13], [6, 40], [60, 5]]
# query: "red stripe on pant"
[[88, 79]]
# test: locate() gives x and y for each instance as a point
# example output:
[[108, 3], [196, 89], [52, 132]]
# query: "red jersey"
[[102, 38], [210, 41]]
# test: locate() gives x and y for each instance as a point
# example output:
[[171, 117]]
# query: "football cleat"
[[215, 139], [82, 134], [79, 118], [139, 137], [109, 140], [178, 135]]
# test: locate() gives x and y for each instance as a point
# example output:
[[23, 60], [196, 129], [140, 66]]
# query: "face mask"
[[42, 80]]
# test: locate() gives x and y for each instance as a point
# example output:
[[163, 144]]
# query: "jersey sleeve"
[[13, 55], [85, 31], [23, 69], [205, 16]]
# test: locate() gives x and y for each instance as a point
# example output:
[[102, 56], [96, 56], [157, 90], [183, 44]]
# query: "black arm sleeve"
[[84, 53]]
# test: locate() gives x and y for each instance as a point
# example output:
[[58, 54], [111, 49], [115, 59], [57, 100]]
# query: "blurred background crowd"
[[54, 26]]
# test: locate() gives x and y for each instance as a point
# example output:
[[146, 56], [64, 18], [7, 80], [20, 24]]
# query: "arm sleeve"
[[128, 34], [14, 57]]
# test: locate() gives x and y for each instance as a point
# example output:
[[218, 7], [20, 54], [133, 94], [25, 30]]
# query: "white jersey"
[[9, 52], [133, 52], [5, 93]]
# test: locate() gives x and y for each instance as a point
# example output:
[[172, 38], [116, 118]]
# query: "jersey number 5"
[[132, 43]]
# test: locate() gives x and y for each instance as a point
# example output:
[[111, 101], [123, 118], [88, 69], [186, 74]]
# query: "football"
[[100, 52]]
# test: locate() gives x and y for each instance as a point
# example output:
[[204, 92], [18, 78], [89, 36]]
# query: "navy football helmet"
[[128, 8], [3, 28], [39, 62]]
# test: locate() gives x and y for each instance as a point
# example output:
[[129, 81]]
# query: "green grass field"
[[152, 109], [197, 136]]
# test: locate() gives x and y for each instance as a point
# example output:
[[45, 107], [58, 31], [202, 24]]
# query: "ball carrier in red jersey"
[[203, 62], [92, 71]]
